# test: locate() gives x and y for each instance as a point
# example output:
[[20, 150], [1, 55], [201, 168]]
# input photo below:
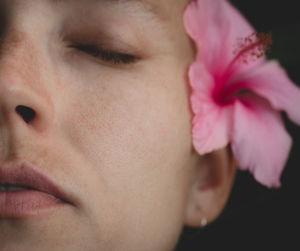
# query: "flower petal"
[[211, 123], [216, 27], [270, 81], [260, 142], [211, 129]]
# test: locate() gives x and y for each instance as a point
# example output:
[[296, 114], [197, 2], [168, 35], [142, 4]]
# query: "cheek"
[[128, 117], [136, 137]]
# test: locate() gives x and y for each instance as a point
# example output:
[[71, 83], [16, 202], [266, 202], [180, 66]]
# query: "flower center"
[[249, 48], [229, 95]]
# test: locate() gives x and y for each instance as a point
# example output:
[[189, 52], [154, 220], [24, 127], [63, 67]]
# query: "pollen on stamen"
[[253, 47]]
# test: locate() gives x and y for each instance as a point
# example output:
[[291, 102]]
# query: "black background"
[[257, 218]]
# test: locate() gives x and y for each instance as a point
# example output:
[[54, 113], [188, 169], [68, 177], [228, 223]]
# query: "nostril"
[[25, 112]]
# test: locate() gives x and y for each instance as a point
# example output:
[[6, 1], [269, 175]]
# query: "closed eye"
[[105, 55]]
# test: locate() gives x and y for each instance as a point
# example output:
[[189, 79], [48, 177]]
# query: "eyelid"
[[101, 40], [107, 55]]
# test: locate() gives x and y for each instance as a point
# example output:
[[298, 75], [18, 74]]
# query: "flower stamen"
[[252, 47]]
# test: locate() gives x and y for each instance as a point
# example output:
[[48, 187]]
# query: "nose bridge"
[[22, 80], [22, 60]]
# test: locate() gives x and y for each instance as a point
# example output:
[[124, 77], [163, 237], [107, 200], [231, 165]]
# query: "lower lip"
[[19, 204]]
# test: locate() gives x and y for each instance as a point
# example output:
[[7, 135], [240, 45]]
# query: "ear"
[[210, 188]]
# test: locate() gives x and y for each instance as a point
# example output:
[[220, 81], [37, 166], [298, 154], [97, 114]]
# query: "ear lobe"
[[210, 188]]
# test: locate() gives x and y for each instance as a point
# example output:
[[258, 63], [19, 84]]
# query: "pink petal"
[[211, 123], [260, 142], [216, 27], [270, 81], [211, 129]]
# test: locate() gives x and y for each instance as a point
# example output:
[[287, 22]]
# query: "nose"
[[25, 101]]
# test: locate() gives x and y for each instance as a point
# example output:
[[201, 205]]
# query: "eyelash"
[[105, 55]]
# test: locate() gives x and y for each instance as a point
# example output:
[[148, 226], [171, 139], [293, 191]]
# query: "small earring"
[[203, 222]]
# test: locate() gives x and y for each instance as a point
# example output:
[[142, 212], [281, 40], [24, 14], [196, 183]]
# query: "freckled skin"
[[117, 138]]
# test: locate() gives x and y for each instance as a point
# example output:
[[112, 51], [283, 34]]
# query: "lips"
[[25, 191]]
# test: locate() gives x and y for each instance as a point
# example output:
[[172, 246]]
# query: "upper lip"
[[20, 173]]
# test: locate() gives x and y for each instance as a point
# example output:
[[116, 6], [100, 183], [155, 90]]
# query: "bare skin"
[[113, 132]]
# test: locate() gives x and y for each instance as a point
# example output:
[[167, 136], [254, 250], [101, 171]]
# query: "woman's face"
[[111, 128]]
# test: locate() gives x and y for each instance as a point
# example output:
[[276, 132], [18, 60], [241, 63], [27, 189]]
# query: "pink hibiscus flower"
[[237, 94]]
